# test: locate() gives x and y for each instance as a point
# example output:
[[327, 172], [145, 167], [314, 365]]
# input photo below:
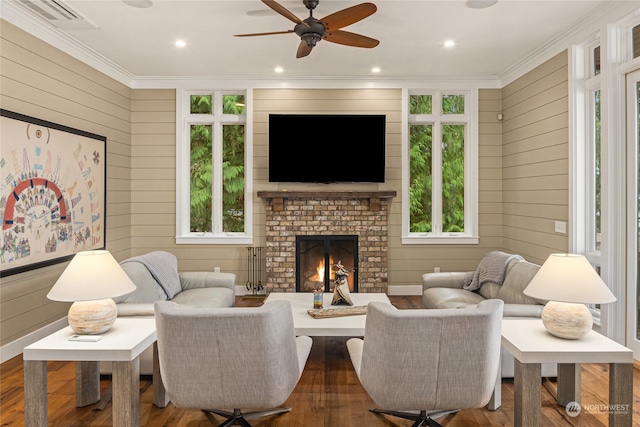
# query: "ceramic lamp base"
[[92, 317], [567, 320]]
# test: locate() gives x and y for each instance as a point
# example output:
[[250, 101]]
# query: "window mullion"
[[437, 179], [216, 180]]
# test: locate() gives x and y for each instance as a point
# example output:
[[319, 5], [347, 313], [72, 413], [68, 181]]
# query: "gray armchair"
[[216, 359], [432, 361]]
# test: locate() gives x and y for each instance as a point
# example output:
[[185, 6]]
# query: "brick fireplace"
[[297, 213]]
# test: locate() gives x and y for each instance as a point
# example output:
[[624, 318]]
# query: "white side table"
[[121, 345], [530, 344]]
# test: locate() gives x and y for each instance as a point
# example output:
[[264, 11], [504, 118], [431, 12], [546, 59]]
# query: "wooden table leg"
[[620, 394], [160, 398], [527, 394], [35, 393], [569, 383], [87, 383], [126, 393]]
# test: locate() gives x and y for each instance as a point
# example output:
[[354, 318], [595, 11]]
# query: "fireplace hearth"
[[317, 257]]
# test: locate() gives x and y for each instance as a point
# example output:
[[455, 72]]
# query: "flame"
[[320, 271]]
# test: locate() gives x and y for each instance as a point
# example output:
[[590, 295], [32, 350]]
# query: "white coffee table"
[[345, 326], [121, 345], [530, 344]]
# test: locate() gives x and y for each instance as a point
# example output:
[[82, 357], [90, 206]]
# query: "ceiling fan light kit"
[[312, 30]]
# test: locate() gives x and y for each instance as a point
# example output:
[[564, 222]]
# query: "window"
[[635, 37], [587, 156], [593, 155], [441, 184], [212, 169]]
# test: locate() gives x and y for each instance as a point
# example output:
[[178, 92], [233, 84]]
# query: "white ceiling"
[[489, 42]]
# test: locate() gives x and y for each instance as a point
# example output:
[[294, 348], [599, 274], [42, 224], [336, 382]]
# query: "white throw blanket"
[[491, 268], [163, 266]]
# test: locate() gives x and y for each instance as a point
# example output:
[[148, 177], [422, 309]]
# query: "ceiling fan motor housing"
[[312, 33]]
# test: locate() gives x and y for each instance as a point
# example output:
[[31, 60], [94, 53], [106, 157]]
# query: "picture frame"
[[52, 192]]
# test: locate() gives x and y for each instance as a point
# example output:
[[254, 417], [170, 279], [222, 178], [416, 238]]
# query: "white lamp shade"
[[91, 275], [569, 278]]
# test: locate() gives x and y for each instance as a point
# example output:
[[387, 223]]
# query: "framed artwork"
[[52, 192]]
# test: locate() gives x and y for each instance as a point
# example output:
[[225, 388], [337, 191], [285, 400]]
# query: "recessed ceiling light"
[[375, 70], [143, 4], [480, 4], [449, 43], [278, 69], [181, 43]]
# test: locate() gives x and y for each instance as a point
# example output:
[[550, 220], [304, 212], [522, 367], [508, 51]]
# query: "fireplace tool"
[[255, 268]]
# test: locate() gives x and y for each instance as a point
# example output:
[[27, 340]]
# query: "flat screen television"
[[327, 148]]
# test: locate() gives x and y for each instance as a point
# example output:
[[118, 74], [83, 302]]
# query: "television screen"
[[326, 148]]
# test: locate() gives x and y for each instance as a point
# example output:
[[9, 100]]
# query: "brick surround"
[[364, 214]]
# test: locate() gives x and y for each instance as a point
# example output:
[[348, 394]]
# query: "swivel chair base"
[[238, 418], [422, 419]]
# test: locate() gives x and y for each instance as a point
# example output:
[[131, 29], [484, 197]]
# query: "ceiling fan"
[[312, 30]]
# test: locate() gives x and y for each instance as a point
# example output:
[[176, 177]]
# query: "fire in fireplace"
[[316, 257]]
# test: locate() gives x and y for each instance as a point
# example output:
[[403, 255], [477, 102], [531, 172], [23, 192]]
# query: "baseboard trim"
[[14, 348], [242, 291]]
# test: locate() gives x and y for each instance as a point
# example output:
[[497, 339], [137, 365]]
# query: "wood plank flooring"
[[328, 395]]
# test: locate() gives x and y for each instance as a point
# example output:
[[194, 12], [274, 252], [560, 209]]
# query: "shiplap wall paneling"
[[40, 81], [535, 161]]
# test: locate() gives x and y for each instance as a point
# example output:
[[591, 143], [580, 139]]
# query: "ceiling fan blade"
[[303, 50], [263, 34], [350, 39], [348, 16], [284, 11]]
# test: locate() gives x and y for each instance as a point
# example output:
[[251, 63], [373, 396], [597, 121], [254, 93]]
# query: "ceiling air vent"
[[58, 14]]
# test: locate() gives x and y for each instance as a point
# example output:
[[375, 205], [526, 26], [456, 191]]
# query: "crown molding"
[[607, 13], [13, 13]]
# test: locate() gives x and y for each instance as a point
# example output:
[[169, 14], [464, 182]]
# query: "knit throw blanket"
[[491, 268], [163, 266]]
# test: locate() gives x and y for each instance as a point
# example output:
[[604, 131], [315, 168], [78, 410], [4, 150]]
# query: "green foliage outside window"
[[201, 178], [420, 104], [421, 178], [453, 178], [200, 104], [233, 178], [202, 168], [421, 147], [452, 104]]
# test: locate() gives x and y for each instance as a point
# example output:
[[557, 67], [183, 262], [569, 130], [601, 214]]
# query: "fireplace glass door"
[[316, 260]]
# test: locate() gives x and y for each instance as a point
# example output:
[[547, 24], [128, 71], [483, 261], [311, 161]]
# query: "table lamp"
[[89, 281], [568, 282]]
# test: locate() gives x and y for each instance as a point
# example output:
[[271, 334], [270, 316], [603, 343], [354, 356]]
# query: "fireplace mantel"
[[326, 194], [278, 197]]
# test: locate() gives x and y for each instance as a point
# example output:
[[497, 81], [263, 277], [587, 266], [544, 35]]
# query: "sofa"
[[499, 275], [156, 277]]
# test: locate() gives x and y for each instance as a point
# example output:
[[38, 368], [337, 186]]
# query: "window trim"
[[471, 208], [183, 209]]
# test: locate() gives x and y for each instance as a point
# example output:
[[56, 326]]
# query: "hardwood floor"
[[328, 395]]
